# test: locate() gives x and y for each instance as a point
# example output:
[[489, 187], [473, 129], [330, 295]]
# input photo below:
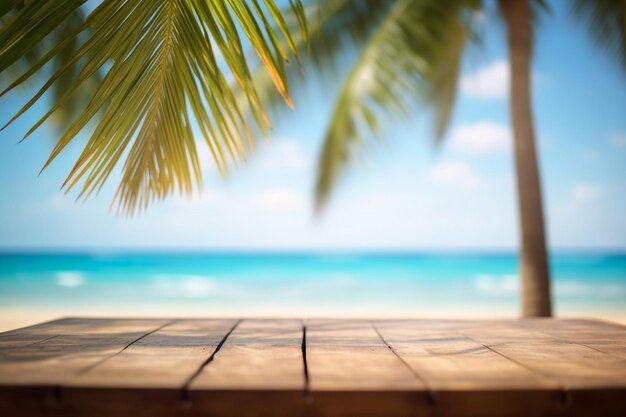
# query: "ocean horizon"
[[36, 286]]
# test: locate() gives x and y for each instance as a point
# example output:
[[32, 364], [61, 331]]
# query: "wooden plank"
[[347, 358], [166, 358], [449, 360], [533, 345], [466, 378], [259, 354], [55, 360], [594, 382], [150, 375], [350, 355], [606, 337], [26, 336], [31, 376], [258, 372]]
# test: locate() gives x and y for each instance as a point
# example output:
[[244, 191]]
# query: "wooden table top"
[[322, 367]]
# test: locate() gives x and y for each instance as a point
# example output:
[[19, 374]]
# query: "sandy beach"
[[15, 318]]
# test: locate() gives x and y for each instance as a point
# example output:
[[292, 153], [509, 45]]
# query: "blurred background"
[[410, 231]]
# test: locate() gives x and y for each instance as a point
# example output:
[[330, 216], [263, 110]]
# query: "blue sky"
[[401, 195]]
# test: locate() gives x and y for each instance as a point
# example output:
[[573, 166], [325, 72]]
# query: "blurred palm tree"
[[410, 53], [135, 75]]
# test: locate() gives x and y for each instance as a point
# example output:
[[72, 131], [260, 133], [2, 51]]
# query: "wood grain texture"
[[592, 380], [336, 368], [259, 354], [346, 359], [558, 352], [32, 376], [259, 371], [40, 332], [163, 359], [462, 374], [447, 359], [349, 355], [57, 359]]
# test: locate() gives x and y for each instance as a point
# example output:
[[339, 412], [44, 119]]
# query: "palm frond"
[[333, 26], [607, 24], [414, 55], [69, 25], [442, 79], [69, 110], [166, 64]]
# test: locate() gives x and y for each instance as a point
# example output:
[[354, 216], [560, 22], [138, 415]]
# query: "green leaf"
[[413, 57], [607, 24], [164, 67], [321, 30]]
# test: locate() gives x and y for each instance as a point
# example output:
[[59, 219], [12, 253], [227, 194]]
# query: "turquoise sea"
[[299, 284]]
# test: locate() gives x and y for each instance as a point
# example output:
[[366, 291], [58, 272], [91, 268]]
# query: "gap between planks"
[[185, 392], [304, 361], [185, 388], [58, 389], [565, 394], [430, 397], [106, 358]]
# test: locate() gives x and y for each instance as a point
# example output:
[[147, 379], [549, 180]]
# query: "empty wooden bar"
[[315, 368]]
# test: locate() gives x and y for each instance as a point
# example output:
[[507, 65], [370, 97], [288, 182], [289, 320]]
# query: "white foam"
[[494, 285], [502, 285], [70, 279], [188, 286], [577, 289]]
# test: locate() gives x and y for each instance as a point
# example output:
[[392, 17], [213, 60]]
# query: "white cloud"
[[62, 203], [69, 279], [278, 200], [456, 174], [279, 155], [282, 155], [481, 138], [619, 140], [584, 192], [204, 199], [490, 82]]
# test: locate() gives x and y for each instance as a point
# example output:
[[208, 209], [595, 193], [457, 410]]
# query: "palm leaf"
[[414, 55], [69, 25], [161, 75], [607, 24], [333, 26], [66, 113]]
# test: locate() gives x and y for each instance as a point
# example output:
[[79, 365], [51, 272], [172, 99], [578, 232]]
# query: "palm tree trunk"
[[534, 274]]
